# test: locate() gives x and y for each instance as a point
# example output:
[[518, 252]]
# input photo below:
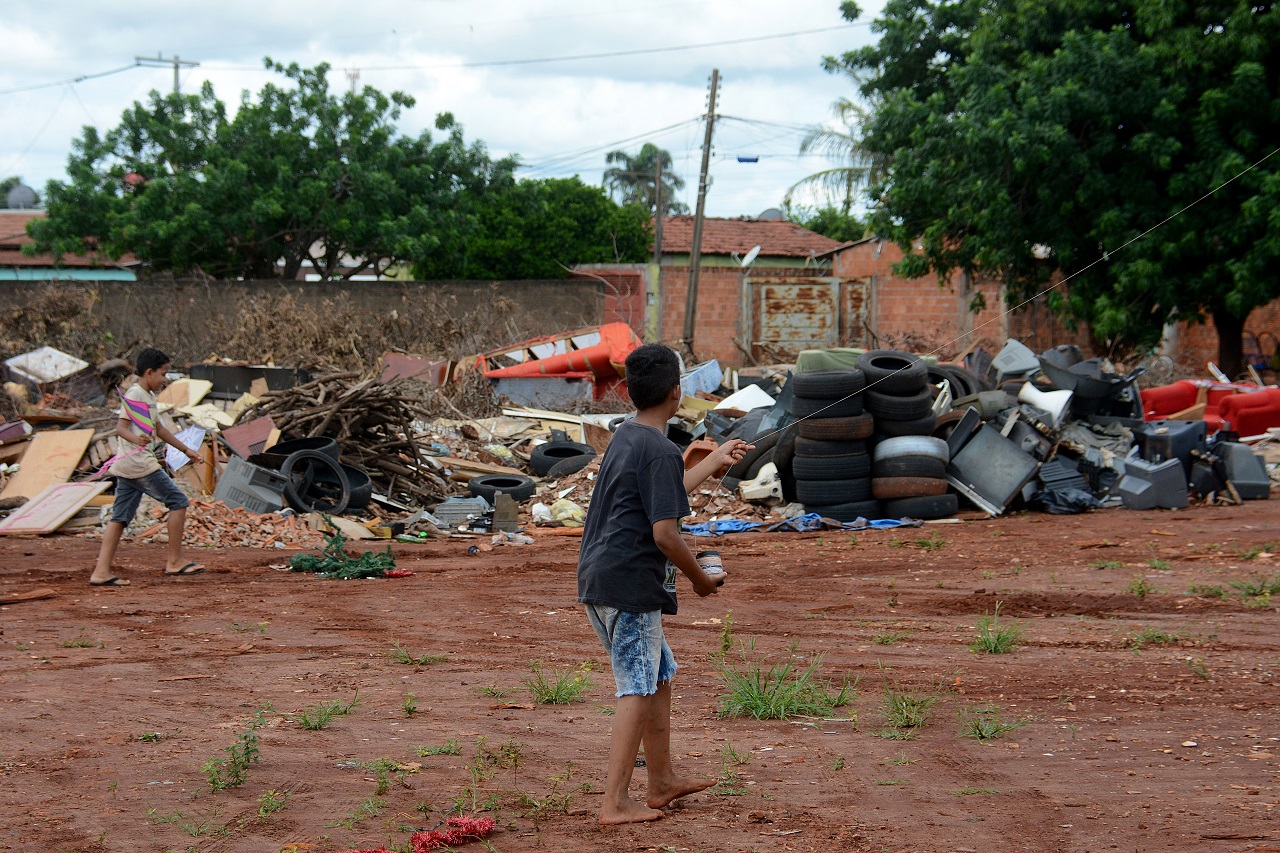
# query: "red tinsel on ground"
[[459, 830]]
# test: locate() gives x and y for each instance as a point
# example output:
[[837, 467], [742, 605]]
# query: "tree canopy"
[[538, 228], [634, 179], [301, 175], [1028, 136], [829, 221]]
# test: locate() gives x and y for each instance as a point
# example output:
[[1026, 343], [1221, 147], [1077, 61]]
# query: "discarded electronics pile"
[[884, 434]]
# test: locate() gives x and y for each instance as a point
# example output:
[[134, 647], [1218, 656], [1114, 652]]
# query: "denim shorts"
[[129, 493], [637, 648]]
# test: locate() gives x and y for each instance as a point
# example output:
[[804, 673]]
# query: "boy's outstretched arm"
[[666, 535], [728, 453]]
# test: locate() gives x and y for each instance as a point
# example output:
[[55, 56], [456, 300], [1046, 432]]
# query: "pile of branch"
[[372, 422]]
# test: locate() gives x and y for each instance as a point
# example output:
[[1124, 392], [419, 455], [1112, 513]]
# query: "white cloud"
[[539, 111]]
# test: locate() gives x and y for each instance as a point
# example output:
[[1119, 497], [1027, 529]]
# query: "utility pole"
[[657, 215], [353, 74], [175, 61], [695, 250]]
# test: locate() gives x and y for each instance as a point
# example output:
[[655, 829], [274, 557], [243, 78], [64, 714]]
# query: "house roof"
[[775, 237], [13, 236]]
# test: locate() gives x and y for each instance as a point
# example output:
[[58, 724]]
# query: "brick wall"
[[624, 293], [1198, 343], [922, 315], [719, 311]]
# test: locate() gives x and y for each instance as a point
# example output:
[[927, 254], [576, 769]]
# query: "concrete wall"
[[337, 324]]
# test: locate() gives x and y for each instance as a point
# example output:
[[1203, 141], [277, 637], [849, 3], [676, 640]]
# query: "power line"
[[568, 156], [495, 63], [70, 81]]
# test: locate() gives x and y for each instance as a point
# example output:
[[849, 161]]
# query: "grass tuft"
[[558, 687], [1144, 637], [994, 637], [985, 723], [779, 691], [889, 638]]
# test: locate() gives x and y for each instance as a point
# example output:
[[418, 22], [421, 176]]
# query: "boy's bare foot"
[[630, 812], [679, 786]]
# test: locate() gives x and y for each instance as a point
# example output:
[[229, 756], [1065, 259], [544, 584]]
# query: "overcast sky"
[[560, 117]]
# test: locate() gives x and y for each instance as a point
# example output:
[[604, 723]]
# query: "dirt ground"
[[114, 699]]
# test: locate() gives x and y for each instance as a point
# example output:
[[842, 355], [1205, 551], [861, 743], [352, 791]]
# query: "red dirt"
[[1104, 760]]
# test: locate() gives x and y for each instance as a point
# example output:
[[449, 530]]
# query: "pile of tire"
[[825, 453], [898, 393], [909, 473]]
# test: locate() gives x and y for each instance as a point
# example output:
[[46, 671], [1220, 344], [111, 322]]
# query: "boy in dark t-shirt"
[[631, 550]]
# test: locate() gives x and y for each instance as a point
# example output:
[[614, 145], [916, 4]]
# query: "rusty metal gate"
[[793, 314]]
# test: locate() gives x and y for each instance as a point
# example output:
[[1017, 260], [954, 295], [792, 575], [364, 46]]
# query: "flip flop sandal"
[[114, 581], [188, 569]]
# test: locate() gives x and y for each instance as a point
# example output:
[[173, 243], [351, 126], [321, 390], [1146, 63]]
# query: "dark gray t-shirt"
[[641, 482]]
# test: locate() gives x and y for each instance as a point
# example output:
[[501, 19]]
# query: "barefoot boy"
[[137, 470], [631, 549]]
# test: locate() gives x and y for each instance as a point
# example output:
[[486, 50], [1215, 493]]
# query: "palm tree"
[[861, 168], [632, 180]]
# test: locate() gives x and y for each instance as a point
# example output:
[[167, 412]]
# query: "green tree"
[[1028, 137], [298, 175], [633, 179], [539, 229], [829, 221], [860, 167]]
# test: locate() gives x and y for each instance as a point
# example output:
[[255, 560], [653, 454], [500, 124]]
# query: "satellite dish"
[[21, 198], [773, 214], [751, 256]]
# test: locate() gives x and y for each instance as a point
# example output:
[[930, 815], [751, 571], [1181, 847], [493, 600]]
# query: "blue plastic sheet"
[[800, 524]]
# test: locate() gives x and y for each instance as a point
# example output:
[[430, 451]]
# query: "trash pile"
[[290, 459]]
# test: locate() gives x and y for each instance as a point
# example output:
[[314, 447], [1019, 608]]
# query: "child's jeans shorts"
[[637, 648], [129, 493]]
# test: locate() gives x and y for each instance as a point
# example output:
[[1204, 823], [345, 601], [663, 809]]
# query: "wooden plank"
[[472, 465], [32, 595], [47, 511], [51, 458]]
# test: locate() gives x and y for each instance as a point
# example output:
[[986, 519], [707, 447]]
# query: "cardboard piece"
[[51, 458], [184, 392], [47, 511]]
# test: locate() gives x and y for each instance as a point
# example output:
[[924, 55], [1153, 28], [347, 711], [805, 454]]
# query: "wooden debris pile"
[[373, 423], [213, 524]]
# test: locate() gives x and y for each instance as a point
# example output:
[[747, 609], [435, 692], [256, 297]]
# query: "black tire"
[[845, 408], [784, 454], [893, 372], [832, 492], [572, 465], [896, 429], [900, 407], [893, 488], [306, 492], [815, 449], [849, 467], [870, 510], [856, 428], [487, 486], [763, 448], [545, 456], [938, 506], [912, 466], [828, 384]]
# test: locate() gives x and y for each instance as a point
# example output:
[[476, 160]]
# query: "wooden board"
[[47, 511], [472, 465], [51, 458], [33, 595]]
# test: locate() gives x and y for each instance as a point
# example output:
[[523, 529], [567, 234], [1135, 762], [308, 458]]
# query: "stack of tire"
[[825, 452], [909, 473], [898, 392]]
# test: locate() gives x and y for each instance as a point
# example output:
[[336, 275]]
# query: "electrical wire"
[[17, 158], [498, 63], [71, 81], [568, 156]]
